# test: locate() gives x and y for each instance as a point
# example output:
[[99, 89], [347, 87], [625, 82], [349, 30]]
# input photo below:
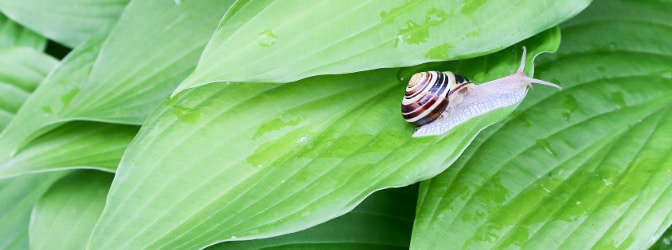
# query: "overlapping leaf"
[[15, 35], [21, 71], [81, 145], [17, 197], [65, 215], [70, 22], [588, 167], [97, 82], [254, 43], [243, 161]]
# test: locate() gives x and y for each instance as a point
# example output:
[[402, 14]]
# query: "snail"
[[435, 101]]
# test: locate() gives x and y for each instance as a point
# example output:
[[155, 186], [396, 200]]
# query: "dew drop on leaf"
[[546, 146], [187, 115], [47, 110], [266, 38], [570, 106], [67, 98], [618, 99]]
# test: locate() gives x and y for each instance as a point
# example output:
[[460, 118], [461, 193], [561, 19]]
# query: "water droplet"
[[545, 189], [266, 38], [601, 68], [473, 33], [546, 146], [666, 74], [404, 74], [47, 110], [187, 115], [67, 98], [439, 52], [387, 17], [523, 120], [276, 124], [618, 99], [570, 105], [469, 7], [435, 17], [607, 182], [303, 139], [233, 237], [415, 33], [578, 202], [412, 33]]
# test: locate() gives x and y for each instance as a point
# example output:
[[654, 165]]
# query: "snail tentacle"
[[522, 77]]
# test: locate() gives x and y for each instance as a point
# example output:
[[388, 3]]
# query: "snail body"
[[435, 101]]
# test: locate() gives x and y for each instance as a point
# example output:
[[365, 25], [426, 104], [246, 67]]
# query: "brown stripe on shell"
[[418, 84], [434, 87], [427, 96]]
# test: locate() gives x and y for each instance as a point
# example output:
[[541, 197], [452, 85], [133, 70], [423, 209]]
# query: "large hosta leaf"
[[65, 215], [122, 76], [21, 71], [15, 35], [232, 161], [17, 197], [588, 167], [382, 221], [283, 41], [70, 22]]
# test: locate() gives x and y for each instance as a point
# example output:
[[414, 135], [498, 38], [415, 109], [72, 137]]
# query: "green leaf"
[[37, 114], [21, 71], [238, 161], [17, 197], [80, 145], [98, 82], [65, 215], [382, 221], [15, 35], [587, 167], [75, 145], [69, 22], [283, 41]]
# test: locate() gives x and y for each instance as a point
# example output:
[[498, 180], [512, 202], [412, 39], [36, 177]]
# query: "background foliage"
[[263, 124]]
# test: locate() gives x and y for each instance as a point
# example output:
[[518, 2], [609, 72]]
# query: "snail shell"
[[439, 101], [430, 93]]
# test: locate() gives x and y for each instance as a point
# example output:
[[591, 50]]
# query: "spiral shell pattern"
[[427, 95]]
